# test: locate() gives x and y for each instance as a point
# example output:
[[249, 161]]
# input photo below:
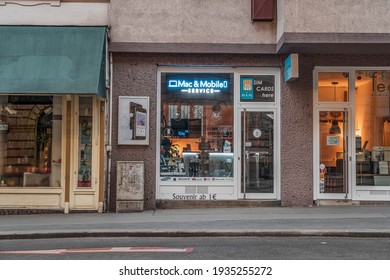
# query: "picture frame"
[[133, 120], [332, 140]]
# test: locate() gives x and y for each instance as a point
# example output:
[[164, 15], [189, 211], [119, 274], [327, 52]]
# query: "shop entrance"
[[334, 140], [334, 154], [219, 134], [257, 154]]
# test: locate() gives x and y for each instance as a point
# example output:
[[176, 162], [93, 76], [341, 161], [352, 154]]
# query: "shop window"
[[30, 141], [196, 126], [333, 87], [372, 124], [85, 143]]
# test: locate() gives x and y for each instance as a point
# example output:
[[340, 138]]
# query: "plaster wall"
[[188, 21], [78, 14], [334, 16], [280, 17]]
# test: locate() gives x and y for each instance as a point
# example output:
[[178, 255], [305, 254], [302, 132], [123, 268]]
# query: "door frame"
[[347, 107], [85, 198], [257, 107], [276, 155], [349, 153]]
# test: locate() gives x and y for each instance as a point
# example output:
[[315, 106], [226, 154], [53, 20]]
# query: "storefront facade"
[[199, 110], [215, 142], [219, 133], [200, 145], [351, 111], [187, 159], [52, 104]]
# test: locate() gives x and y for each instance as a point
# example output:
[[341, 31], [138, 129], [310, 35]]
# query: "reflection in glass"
[[85, 142], [332, 149], [258, 138], [372, 124], [333, 87], [196, 128], [30, 141]]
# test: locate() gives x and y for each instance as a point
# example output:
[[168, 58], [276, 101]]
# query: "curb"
[[290, 233]]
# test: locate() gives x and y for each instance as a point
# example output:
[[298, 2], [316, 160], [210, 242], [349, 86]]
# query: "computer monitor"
[[180, 127]]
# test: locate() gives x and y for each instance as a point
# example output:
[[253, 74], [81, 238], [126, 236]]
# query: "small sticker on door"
[[257, 133]]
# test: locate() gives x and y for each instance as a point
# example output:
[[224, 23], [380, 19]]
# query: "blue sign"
[[291, 67]]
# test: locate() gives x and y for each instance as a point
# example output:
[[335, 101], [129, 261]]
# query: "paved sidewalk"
[[373, 221]]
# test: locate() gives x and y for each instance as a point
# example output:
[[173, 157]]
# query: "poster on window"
[[332, 140], [257, 88], [133, 120]]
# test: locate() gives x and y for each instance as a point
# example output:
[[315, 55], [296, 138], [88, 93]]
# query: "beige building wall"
[[188, 21], [81, 13], [280, 19], [333, 16]]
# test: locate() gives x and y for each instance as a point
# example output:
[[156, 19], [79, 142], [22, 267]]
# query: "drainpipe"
[[109, 129], [108, 147]]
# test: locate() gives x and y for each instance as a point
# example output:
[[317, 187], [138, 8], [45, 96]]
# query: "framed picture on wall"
[[133, 120]]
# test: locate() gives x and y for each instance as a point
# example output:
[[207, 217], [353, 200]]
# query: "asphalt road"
[[201, 248]]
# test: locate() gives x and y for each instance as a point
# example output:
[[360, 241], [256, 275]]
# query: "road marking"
[[103, 250]]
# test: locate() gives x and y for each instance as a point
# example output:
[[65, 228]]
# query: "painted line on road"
[[102, 250]]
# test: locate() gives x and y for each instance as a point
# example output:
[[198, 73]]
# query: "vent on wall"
[[262, 10]]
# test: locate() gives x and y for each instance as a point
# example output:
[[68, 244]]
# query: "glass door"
[[257, 153], [333, 154]]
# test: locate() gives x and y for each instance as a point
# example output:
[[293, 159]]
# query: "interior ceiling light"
[[335, 128]]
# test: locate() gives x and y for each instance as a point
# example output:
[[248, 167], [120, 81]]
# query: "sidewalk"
[[352, 221]]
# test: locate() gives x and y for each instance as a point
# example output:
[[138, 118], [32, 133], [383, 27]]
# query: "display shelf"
[[20, 153]]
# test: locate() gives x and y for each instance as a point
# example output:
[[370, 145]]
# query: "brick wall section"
[[136, 75]]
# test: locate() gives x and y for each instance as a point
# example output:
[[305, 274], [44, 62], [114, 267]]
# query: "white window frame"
[[237, 105], [350, 105]]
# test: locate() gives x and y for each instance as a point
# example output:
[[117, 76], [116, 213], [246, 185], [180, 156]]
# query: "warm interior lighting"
[[358, 132], [334, 89]]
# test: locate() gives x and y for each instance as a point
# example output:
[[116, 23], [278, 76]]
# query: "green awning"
[[52, 60]]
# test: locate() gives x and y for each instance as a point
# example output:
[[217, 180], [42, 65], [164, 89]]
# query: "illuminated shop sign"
[[257, 88], [197, 85]]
